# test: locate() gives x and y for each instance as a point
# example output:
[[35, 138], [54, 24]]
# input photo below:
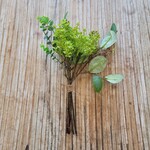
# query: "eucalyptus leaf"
[[97, 83], [109, 40], [114, 78], [97, 64], [113, 28]]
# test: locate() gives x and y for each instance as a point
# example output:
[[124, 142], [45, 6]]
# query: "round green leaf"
[[109, 40], [114, 78], [97, 83], [97, 64]]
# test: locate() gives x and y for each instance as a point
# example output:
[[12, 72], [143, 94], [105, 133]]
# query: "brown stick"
[[70, 116]]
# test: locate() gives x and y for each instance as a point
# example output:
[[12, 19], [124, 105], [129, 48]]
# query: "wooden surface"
[[32, 88]]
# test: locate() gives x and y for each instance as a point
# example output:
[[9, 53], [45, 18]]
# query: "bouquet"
[[76, 50]]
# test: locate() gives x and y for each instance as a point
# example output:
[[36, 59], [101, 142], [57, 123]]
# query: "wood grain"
[[32, 87]]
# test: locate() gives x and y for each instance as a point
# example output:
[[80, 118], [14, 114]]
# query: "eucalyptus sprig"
[[75, 50]]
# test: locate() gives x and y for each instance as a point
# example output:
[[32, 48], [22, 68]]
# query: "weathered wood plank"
[[33, 88]]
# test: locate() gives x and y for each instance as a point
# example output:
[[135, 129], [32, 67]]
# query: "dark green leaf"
[[44, 29], [42, 26], [114, 78], [97, 64], [49, 52], [49, 42], [46, 37], [50, 28], [113, 28], [97, 83], [46, 49]]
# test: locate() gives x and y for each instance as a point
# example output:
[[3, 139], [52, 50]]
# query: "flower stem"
[[70, 115]]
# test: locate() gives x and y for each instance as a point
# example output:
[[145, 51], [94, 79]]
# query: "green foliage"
[[97, 83], [50, 52], [97, 64], [114, 78], [46, 49], [45, 23], [76, 49], [47, 27], [71, 43], [43, 20]]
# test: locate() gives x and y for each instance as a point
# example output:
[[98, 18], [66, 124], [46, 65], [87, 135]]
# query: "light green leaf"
[[114, 78], [97, 64], [105, 40], [109, 40], [97, 83], [113, 28]]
